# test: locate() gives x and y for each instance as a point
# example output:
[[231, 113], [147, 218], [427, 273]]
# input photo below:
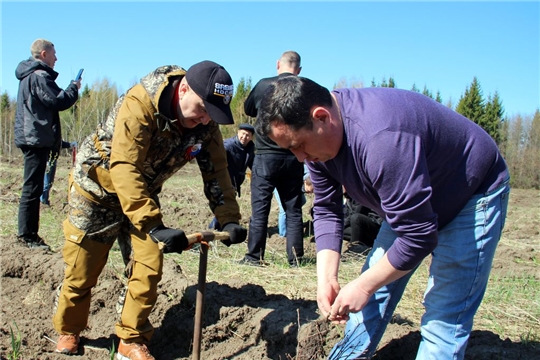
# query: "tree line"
[[518, 138]]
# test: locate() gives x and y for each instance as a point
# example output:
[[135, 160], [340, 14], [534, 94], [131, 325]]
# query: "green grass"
[[16, 342]]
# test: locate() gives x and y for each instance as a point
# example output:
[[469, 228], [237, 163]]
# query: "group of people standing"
[[435, 181]]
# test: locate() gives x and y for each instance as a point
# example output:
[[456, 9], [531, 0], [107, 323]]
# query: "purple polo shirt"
[[412, 160]]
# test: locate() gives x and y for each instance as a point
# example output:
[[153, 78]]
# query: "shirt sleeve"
[[51, 95], [327, 209], [131, 141]]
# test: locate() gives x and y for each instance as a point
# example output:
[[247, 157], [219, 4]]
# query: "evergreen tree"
[[86, 91], [391, 83], [4, 107], [438, 97], [427, 92], [492, 119], [414, 88], [7, 122], [237, 107], [471, 105]]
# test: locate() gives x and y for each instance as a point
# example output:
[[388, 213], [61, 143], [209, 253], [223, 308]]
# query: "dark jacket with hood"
[[239, 158], [39, 101]]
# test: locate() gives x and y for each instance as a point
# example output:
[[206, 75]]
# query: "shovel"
[[203, 238]]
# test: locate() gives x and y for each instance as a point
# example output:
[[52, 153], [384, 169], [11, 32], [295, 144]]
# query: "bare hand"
[[351, 299], [326, 293], [308, 187]]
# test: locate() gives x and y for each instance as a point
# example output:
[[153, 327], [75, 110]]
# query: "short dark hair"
[[289, 100], [291, 58]]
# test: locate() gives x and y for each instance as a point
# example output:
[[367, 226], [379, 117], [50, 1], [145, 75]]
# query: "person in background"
[[361, 224], [274, 168], [37, 130], [240, 153], [50, 171], [307, 188], [436, 178], [162, 123]]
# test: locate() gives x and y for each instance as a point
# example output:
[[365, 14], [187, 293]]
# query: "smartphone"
[[78, 77]]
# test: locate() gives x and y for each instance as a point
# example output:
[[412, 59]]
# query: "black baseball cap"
[[215, 87]]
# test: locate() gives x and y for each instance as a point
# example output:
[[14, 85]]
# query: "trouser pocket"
[[74, 237]]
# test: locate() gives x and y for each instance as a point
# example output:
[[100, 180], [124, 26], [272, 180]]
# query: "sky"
[[434, 44]]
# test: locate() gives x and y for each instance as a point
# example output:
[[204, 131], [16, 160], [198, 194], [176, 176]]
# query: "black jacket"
[[39, 101], [251, 106], [239, 158]]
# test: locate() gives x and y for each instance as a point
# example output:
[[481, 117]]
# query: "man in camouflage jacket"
[[157, 127]]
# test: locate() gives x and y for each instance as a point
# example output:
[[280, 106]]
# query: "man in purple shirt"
[[436, 178]]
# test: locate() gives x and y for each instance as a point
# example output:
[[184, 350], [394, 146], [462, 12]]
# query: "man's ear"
[[320, 113], [182, 89], [299, 69]]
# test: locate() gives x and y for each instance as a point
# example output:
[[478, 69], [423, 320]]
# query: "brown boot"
[[133, 351], [68, 344]]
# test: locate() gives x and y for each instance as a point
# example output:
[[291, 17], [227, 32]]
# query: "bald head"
[[289, 62]]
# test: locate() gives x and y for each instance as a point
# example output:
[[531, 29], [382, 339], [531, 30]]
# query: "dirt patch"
[[241, 320]]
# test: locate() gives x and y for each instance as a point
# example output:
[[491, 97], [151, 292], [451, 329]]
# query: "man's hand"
[[175, 240], [236, 232], [308, 186], [327, 280]]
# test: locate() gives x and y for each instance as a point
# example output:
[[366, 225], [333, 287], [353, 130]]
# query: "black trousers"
[[35, 163], [362, 229], [284, 173]]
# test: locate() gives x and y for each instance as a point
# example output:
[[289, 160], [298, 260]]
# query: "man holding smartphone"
[[37, 130]]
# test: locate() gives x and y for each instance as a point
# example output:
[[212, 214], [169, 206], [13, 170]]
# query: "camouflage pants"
[[90, 231]]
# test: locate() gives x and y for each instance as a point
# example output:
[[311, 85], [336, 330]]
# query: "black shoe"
[[37, 243], [295, 263], [247, 261]]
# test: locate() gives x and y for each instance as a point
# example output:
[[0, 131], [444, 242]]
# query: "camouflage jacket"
[[125, 162]]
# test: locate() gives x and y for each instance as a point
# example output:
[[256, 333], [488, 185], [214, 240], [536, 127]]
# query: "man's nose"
[[205, 119], [300, 155]]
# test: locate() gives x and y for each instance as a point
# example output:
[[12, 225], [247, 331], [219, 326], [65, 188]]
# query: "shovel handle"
[[199, 303], [207, 236], [202, 236]]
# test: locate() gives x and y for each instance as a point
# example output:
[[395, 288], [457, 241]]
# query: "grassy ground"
[[511, 307]]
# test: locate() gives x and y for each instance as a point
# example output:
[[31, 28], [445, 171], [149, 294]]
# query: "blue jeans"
[[282, 217], [458, 277], [48, 179]]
